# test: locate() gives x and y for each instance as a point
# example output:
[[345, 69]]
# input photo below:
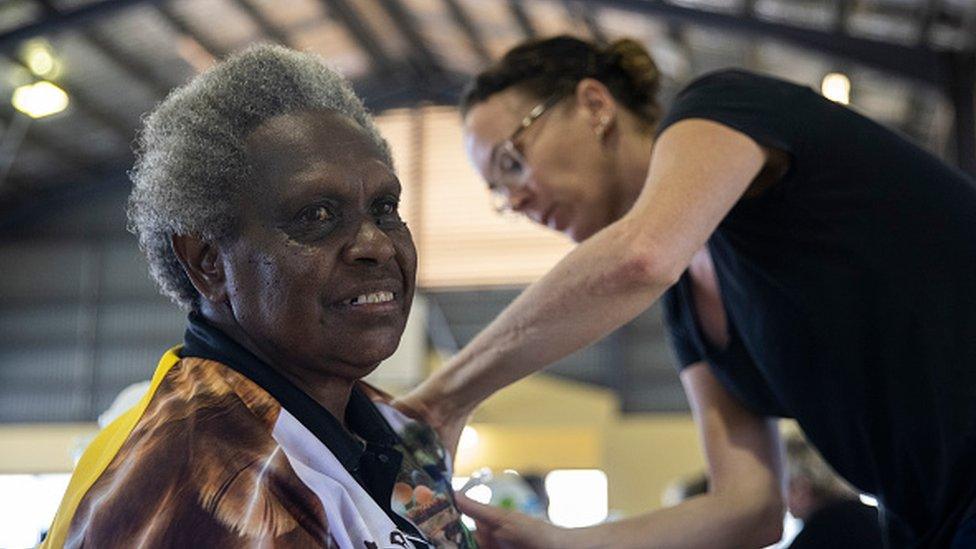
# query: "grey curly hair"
[[191, 165]]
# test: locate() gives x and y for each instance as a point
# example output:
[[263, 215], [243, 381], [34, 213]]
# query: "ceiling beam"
[[927, 14], [914, 62], [135, 66], [137, 69], [584, 14], [10, 39], [842, 13], [179, 22], [265, 24], [406, 23], [343, 12], [522, 19], [471, 30]]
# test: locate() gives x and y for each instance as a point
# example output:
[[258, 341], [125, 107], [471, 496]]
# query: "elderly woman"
[[266, 204]]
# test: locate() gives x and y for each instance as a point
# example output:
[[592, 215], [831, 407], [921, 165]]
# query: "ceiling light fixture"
[[836, 87], [40, 99]]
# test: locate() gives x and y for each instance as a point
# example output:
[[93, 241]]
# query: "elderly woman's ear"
[[202, 262]]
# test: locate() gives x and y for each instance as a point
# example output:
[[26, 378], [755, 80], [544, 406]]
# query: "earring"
[[604, 124]]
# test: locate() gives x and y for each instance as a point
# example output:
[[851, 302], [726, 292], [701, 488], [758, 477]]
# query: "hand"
[[504, 529], [421, 404]]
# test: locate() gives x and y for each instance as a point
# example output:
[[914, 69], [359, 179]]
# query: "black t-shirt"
[[850, 289]]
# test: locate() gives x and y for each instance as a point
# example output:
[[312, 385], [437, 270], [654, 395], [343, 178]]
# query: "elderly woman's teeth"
[[375, 297]]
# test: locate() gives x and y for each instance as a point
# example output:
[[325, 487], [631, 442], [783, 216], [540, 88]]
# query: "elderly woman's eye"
[[387, 207], [316, 214], [387, 210]]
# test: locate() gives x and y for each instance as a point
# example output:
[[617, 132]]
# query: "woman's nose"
[[519, 199], [370, 244]]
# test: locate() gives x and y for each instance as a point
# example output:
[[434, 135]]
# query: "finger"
[[406, 406], [492, 516], [482, 536]]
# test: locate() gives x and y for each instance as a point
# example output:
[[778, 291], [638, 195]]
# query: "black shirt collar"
[[206, 341]]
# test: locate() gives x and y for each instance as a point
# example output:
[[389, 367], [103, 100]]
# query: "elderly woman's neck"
[[331, 392]]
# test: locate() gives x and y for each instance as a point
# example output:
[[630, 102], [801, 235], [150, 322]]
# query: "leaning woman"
[[812, 264], [266, 204]]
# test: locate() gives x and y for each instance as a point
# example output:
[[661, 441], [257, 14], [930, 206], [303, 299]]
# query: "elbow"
[[647, 268], [758, 518], [769, 521], [644, 261]]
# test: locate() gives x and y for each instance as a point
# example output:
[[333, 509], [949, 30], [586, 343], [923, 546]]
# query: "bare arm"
[[743, 508], [699, 169]]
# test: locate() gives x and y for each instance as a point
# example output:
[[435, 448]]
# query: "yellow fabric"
[[100, 453]]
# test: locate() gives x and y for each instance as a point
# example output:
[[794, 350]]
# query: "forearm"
[[711, 521], [595, 289]]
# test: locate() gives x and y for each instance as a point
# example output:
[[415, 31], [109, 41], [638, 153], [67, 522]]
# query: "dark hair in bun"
[[555, 65]]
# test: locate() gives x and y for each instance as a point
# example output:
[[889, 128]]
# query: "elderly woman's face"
[[322, 273]]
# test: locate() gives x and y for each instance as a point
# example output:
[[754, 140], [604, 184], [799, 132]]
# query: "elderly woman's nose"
[[370, 244]]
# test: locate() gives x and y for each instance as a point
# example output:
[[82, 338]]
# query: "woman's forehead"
[[322, 133], [499, 115], [317, 150], [492, 121]]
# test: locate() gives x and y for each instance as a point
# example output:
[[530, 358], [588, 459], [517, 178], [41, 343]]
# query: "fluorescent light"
[[40, 61], [577, 497], [836, 87], [40, 99], [38, 56]]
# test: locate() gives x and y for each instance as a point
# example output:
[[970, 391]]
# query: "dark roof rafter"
[[471, 30], [583, 12], [10, 39], [347, 15], [407, 25], [266, 26], [128, 63], [179, 22], [915, 62], [522, 18]]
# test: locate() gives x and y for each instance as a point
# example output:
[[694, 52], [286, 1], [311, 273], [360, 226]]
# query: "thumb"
[[410, 407], [492, 516]]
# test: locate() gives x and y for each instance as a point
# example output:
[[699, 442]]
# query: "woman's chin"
[[366, 354], [579, 232]]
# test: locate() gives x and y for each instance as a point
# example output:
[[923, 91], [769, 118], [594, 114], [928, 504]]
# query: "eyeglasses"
[[509, 171]]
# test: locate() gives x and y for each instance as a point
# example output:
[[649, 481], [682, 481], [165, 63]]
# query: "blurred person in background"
[[812, 264], [832, 513], [265, 202]]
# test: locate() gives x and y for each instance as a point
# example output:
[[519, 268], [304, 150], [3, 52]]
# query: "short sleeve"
[[676, 319], [763, 108]]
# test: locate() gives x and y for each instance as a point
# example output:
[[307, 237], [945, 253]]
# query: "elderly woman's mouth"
[[373, 297], [377, 297]]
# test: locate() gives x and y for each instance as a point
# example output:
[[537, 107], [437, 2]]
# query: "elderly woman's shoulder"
[[201, 455]]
